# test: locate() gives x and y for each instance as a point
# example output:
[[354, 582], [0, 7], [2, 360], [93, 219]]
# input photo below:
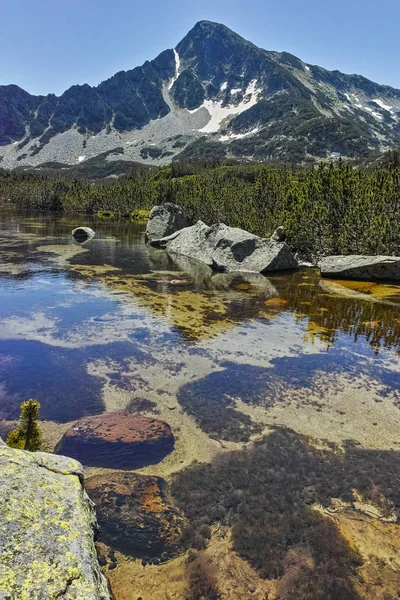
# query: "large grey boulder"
[[196, 242], [365, 268], [165, 219], [229, 249], [238, 250], [47, 526]]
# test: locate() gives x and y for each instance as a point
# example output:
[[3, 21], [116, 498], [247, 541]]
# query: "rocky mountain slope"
[[214, 94]]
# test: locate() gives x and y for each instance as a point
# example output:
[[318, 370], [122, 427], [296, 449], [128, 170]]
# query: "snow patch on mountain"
[[238, 136], [218, 113], [177, 69], [373, 112], [382, 104]]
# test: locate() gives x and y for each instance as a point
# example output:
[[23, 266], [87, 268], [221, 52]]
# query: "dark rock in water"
[[230, 249], [365, 268], [81, 234], [279, 235], [165, 220], [117, 440], [135, 515]]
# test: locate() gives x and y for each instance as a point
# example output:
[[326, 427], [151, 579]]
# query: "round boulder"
[[117, 440], [135, 515], [81, 234]]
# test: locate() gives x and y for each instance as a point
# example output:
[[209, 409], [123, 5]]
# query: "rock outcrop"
[[81, 234], [229, 249], [135, 514], [279, 234], [165, 219], [47, 526], [117, 440], [365, 268]]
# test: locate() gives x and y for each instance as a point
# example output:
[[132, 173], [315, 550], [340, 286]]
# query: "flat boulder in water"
[[364, 268], [239, 250], [117, 440], [135, 514], [230, 249], [195, 242], [166, 219]]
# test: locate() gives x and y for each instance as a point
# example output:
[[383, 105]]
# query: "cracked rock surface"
[[47, 525]]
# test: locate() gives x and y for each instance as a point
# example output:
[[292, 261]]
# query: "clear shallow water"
[[85, 328]]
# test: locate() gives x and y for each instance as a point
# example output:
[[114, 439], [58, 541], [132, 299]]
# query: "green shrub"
[[106, 214], [140, 214], [28, 436]]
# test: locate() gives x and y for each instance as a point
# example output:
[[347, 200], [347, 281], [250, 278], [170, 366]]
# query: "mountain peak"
[[217, 94], [205, 31]]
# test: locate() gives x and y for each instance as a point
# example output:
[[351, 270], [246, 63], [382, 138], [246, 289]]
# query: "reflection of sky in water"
[[54, 325]]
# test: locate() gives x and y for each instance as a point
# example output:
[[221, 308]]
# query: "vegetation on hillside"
[[329, 209], [28, 435]]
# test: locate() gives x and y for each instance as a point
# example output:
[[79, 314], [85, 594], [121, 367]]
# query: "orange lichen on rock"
[[135, 514]]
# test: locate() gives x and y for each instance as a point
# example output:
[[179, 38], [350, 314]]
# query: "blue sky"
[[48, 45]]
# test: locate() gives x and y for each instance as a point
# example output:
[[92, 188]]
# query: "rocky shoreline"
[[48, 527], [230, 249]]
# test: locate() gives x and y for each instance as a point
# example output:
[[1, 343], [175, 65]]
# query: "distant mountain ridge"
[[215, 94]]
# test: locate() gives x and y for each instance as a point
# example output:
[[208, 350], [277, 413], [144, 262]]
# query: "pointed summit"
[[210, 50], [206, 34]]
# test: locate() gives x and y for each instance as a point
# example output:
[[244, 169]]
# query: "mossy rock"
[[140, 215], [106, 214], [47, 526]]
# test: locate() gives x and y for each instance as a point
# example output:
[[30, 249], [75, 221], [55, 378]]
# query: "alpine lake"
[[282, 394]]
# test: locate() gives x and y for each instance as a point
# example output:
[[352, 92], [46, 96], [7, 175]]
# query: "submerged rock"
[[117, 440], [135, 514], [229, 249], [368, 268], [165, 219], [47, 526], [81, 234]]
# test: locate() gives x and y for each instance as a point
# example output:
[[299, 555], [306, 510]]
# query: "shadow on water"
[[212, 399]]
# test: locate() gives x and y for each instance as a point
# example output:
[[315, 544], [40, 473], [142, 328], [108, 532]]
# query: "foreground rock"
[[81, 234], [165, 219], [117, 440], [229, 249], [135, 515], [367, 268], [47, 525]]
